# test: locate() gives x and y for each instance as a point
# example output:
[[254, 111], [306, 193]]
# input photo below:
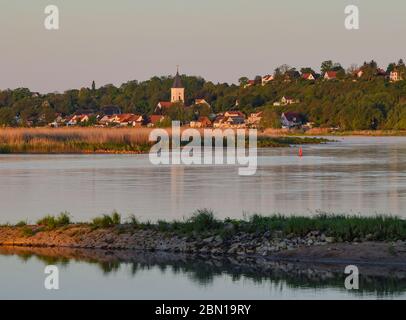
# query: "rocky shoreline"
[[315, 246]]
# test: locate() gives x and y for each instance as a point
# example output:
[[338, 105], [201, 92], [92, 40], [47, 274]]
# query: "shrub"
[[106, 220], [52, 222], [132, 219], [116, 218], [21, 223], [203, 220], [27, 231]]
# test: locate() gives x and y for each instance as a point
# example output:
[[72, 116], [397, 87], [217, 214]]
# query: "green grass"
[[275, 142], [21, 223], [51, 222], [106, 221], [203, 222], [341, 227]]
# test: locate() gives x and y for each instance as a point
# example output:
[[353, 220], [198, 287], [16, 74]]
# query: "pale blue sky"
[[221, 40]]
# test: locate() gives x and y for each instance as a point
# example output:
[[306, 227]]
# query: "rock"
[[369, 237], [267, 234], [283, 245], [278, 234], [218, 239], [330, 239], [229, 227], [208, 240]]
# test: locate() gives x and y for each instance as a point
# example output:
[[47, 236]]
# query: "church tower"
[[177, 90]]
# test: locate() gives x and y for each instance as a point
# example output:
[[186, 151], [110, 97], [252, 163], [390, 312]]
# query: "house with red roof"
[[155, 119], [330, 75], [308, 76], [202, 122], [266, 79], [291, 120]]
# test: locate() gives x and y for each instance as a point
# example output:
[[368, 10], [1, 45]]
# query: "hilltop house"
[[292, 120], [395, 76], [286, 101], [202, 102], [250, 83], [266, 79], [308, 76], [330, 75], [254, 119]]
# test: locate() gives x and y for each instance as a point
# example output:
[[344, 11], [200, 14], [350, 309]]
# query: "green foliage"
[[133, 220], [27, 231], [341, 227], [21, 223], [52, 222], [106, 221], [371, 102]]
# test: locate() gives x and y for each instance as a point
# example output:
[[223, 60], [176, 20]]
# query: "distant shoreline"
[[106, 141]]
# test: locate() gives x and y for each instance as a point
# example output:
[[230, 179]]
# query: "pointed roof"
[[177, 81]]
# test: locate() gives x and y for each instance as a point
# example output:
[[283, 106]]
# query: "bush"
[[116, 218], [203, 220], [106, 221], [52, 222], [21, 223], [27, 231], [132, 219]]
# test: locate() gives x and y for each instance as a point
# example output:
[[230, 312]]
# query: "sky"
[[221, 40]]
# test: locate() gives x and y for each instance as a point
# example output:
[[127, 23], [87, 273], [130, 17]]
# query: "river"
[[353, 175]]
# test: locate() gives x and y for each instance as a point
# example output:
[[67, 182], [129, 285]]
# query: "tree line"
[[350, 102]]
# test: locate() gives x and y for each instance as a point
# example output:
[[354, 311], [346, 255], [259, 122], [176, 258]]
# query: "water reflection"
[[379, 281]]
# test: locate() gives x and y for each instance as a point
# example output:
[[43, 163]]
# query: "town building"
[[395, 76], [291, 120], [330, 75], [177, 95]]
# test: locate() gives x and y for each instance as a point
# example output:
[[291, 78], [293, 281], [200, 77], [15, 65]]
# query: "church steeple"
[[177, 90]]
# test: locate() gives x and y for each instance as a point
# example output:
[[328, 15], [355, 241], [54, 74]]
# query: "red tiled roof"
[[165, 104], [307, 75], [331, 74], [155, 118]]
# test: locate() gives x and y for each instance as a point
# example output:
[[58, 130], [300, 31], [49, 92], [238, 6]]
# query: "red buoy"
[[300, 152]]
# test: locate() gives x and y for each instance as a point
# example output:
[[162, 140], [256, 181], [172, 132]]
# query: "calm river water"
[[352, 175]]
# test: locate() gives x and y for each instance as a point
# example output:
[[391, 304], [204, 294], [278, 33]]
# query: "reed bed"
[[106, 140], [74, 140]]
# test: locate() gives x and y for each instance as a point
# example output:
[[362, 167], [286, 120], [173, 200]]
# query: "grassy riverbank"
[[203, 222], [102, 140], [325, 237]]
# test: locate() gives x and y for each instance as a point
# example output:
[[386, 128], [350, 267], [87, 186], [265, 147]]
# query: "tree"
[[326, 66], [93, 86], [243, 81], [7, 117], [307, 70], [270, 119]]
